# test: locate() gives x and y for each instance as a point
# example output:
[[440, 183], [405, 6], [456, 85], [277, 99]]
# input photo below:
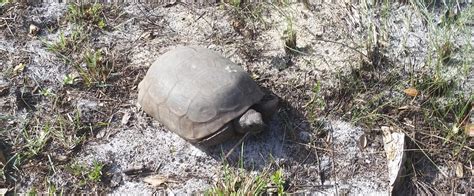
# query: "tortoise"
[[204, 97]]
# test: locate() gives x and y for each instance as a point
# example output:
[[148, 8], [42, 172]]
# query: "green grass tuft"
[[238, 181], [87, 174]]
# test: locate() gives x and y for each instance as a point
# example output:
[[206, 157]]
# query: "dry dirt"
[[326, 159]]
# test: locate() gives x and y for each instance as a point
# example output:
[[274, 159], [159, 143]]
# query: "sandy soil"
[[326, 159]]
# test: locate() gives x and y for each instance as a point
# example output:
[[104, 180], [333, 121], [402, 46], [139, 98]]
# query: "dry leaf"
[[363, 141], [459, 170], [412, 92], [455, 129], [237, 24], [19, 68], [155, 180], [469, 129]]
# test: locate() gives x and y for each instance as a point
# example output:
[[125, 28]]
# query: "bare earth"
[[325, 159]]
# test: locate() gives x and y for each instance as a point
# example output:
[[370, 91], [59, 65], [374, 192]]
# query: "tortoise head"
[[267, 106], [251, 121]]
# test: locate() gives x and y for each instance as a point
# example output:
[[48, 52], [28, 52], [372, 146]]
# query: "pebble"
[[33, 29]]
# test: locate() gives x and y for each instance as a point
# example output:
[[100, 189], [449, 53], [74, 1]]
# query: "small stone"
[[33, 29], [281, 62], [87, 105], [116, 180], [125, 118], [3, 191]]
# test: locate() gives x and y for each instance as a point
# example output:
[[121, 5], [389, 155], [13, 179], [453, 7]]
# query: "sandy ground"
[[332, 164], [194, 169]]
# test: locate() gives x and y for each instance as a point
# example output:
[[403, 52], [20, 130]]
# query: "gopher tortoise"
[[204, 97]]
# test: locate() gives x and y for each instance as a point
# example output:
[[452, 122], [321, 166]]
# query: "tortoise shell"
[[194, 92]]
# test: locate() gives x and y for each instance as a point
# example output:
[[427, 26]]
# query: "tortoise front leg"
[[267, 106], [224, 133]]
